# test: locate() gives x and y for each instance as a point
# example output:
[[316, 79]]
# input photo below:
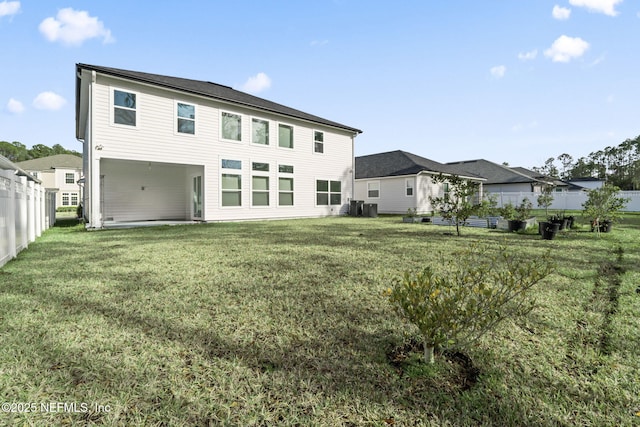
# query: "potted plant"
[[546, 198], [549, 230], [559, 219], [522, 213], [603, 207], [488, 209]]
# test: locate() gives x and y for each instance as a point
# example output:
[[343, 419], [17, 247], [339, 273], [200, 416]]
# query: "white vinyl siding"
[[128, 153]]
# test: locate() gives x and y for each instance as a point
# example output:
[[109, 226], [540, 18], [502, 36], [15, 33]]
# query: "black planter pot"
[[570, 220], [605, 226], [549, 230], [517, 225], [562, 223]]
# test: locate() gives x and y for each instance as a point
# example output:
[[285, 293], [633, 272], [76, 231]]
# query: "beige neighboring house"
[[59, 173]]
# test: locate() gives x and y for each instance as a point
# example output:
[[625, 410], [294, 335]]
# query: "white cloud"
[[566, 48], [73, 27], [9, 8], [14, 106], [498, 71], [561, 13], [49, 101], [601, 6], [257, 83], [528, 56]]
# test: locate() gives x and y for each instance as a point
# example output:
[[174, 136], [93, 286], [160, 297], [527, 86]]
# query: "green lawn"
[[284, 323]]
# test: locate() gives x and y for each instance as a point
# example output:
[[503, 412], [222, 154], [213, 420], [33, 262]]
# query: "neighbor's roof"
[[495, 173], [399, 163], [540, 177], [214, 91], [57, 161]]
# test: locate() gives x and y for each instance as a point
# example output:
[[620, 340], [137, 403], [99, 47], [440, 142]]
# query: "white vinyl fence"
[[566, 200], [26, 210]]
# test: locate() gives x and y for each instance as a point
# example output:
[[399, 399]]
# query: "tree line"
[[618, 166], [18, 152]]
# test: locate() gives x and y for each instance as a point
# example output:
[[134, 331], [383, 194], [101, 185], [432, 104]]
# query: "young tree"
[[604, 204], [546, 198], [459, 202], [477, 290]]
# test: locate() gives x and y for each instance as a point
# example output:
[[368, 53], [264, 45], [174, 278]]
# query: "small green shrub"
[[66, 209], [478, 289]]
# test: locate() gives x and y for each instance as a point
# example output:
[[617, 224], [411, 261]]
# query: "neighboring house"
[[559, 186], [587, 183], [159, 147], [397, 181], [502, 179], [59, 173]]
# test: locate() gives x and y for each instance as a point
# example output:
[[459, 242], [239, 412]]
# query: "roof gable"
[[399, 163], [213, 91]]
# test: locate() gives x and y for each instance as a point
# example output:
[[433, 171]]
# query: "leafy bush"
[[479, 289], [603, 204]]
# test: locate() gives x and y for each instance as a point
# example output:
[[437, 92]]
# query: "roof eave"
[[114, 73]]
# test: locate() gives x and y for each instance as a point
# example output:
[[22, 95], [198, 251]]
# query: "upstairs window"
[[69, 178], [285, 136], [186, 118], [260, 131], [318, 142], [231, 126], [124, 108]]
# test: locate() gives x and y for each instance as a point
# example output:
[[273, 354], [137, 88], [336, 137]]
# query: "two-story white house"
[[59, 173], [168, 148]]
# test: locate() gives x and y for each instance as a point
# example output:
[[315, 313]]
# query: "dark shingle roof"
[[214, 91], [57, 161], [399, 163], [493, 172]]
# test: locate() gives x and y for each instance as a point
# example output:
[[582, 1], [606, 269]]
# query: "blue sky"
[[513, 81]]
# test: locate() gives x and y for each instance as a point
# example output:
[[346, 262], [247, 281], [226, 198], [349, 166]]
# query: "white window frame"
[[66, 176], [222, 113], [264, 174], [113, 106], [268, 144], [369, 189], [314, 131], [178, 118], [293, 136], [286, 175], [230, 171], [409, 183], [68, 197]]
